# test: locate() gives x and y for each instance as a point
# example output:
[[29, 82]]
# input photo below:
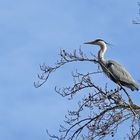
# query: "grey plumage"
[[115, 71], [119, 75]]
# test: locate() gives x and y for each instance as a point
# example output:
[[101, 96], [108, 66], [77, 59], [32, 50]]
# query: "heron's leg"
[[119, 88]]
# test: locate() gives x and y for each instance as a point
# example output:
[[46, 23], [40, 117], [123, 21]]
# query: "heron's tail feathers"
[[134, 87]]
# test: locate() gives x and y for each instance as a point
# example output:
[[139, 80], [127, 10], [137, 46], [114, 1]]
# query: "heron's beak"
[[91, 42]]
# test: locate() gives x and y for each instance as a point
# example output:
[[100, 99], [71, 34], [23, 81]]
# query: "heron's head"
[[99, 42]]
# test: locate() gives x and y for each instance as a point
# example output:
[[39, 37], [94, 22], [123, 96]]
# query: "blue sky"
[[32, 32]]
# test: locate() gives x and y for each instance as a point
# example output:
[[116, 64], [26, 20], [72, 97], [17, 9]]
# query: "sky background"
[[32, 32]]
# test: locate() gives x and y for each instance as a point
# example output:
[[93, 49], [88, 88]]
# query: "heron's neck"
[[102, 52]]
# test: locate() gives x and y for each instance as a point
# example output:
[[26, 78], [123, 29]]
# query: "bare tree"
[[137, 20], [101, 112]]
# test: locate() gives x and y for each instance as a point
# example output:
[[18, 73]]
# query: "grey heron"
[[115, 71]]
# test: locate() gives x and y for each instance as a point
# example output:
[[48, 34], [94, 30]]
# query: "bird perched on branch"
[[112, 69]]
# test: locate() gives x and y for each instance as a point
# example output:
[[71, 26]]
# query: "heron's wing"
[[120, 73]]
